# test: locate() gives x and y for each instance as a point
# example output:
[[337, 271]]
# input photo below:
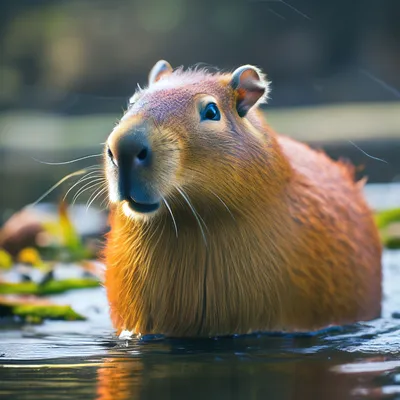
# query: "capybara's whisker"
[[62, 180], [198, 218], [104, 201], [99, 192], [87, 186], [89, 176], [100, 186], [223, 203], [172, 215], [68, 162]]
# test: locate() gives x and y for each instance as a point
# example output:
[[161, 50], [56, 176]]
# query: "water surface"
[[84, 360]]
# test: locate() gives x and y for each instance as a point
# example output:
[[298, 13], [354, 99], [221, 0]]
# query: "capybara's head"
[[190, 138]]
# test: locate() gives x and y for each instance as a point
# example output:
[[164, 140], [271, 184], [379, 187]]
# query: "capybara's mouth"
[[143, 208]]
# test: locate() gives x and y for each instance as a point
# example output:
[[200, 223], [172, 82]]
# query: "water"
[[84, 360]]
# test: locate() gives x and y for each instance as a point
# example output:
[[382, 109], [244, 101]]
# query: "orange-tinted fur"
[[288, 243]]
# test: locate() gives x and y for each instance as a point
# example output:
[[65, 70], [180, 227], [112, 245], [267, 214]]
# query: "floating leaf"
[[36, 311], [385, 218], [48, 287]]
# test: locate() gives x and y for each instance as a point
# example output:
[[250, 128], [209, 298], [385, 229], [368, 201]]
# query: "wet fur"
[[290, 242]]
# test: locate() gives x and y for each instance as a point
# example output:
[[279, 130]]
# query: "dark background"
[[314, 51], [61, 60]]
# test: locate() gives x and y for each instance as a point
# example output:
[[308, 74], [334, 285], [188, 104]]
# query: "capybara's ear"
[[250, 86], [160, 69]]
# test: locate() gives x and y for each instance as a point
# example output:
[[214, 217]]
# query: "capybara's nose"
[[131, 150], [132, 155]]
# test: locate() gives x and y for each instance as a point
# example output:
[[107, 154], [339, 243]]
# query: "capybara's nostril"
[[143, 154], [111, 156]]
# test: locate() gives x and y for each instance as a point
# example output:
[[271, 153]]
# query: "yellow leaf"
[[31, 256], [69, 234], [53, 229]]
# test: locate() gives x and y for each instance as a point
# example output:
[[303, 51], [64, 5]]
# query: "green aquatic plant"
[[387, 217], [68, 246], [35, 311], [386, 221], [48, 287]]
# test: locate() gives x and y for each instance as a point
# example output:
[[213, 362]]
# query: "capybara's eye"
[[211, 112]]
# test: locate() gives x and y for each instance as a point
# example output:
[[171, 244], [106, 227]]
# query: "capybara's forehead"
[[174, 94]]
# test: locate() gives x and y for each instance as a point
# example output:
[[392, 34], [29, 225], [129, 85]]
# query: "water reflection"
[[235, 376]]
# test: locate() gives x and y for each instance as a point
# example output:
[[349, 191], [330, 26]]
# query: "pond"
[[84, 360]]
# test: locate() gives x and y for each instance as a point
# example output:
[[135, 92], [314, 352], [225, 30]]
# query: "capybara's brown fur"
[[255, 231]]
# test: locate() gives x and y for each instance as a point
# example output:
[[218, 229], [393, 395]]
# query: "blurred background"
[[67, 69]]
